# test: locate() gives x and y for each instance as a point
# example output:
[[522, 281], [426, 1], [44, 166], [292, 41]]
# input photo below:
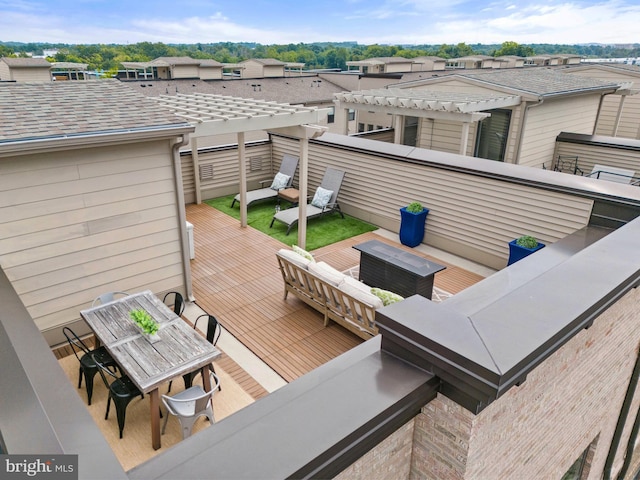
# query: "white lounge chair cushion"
[[294, 258], [326, 272], [321, 197], [303, 253], [386, 296], [280, 181]]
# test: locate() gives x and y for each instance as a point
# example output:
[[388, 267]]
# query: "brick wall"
[[537, 430], [441, 440], [389, 460]]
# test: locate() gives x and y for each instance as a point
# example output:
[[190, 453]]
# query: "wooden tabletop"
[[181, 349]]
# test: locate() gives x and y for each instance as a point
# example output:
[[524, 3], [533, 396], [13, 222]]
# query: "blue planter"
[[516, 252], [412, 226]]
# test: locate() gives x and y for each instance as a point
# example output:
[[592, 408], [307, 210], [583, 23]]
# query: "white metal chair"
[[107, 297], [191, 404]]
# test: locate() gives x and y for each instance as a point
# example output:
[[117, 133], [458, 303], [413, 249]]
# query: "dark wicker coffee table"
[[390, 268]]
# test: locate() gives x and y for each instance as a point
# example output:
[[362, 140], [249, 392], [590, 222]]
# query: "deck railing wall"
[[476, 206]]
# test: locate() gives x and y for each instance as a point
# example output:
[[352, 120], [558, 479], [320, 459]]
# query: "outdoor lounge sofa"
[[287, 170], [338, 296]]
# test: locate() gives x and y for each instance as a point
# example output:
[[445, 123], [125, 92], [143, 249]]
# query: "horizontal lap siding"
[[545, 121], [469, 215], [628, 127], [589, 155], [226, 172], [82, 222]]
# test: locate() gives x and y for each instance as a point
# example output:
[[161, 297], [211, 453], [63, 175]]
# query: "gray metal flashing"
[[585, 187], [487, 338], [619, 143], [40, 413]]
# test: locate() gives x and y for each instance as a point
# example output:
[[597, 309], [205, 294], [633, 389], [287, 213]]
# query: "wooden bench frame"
[[333, 303]]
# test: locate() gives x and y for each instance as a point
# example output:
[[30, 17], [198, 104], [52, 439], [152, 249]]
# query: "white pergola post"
[[242, 163], [302, 204], [465, 138], [398, 128], [196, 169]]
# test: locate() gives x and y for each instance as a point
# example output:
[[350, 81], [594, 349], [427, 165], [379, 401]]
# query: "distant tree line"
[[108, 57]]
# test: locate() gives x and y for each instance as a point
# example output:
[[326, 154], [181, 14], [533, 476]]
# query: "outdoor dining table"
[[179, 350]]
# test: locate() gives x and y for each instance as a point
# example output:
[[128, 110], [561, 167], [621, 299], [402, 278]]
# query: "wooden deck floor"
[[236, 278]]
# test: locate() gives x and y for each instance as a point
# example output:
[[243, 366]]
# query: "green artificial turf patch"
[[321, 231]]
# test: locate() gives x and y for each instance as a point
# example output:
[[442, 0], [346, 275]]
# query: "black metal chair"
[[213, 334], [121, 390], [178, 302], [88, 367]]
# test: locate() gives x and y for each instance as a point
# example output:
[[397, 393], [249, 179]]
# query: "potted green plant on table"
[[412, 223], [522, 247], [147, 325]]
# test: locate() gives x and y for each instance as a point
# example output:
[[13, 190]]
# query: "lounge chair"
[[288, 167], [331, 182]]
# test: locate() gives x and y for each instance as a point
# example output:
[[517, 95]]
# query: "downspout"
[[182, 217], [622, 419], [522, 125]]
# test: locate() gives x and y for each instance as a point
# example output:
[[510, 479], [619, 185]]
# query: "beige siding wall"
[[273, 71], [629, 126], [210, 73], [470, 215], [589, 155], [565, 404], [30, 74], [79, 223], [252, 70], [5, 72], [441, 135], [397, 67], [546, 121], [186, 71], [220, 172]]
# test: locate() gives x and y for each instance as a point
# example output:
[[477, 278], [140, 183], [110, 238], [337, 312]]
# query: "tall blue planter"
[[412, 226], [516, 252]]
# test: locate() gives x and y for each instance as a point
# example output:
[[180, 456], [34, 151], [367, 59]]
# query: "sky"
[[396, 22]]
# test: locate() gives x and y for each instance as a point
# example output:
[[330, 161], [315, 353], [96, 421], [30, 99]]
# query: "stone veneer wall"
[[538, 430], [389, 460]]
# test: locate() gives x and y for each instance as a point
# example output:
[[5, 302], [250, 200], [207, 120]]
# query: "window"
[[581, 467], [410, 134], [331, 117], [491, 140], [352, 114], [360, 127]]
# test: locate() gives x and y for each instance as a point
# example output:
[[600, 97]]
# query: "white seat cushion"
[[326, 272]]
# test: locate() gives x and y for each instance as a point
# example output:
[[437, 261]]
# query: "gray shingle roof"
[[176, 61], [34, 111], [26, 62], [264, 61], [542, 82]]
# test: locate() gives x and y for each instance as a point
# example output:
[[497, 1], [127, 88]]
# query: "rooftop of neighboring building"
[[32, 111], [26, 62], [293, 89]]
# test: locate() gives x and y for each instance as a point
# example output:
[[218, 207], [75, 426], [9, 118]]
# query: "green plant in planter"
[[144, 321], [415, 207], [527, 241]]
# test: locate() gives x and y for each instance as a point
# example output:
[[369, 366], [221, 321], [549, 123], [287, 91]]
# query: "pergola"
[[219, 114], [402, 102]]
